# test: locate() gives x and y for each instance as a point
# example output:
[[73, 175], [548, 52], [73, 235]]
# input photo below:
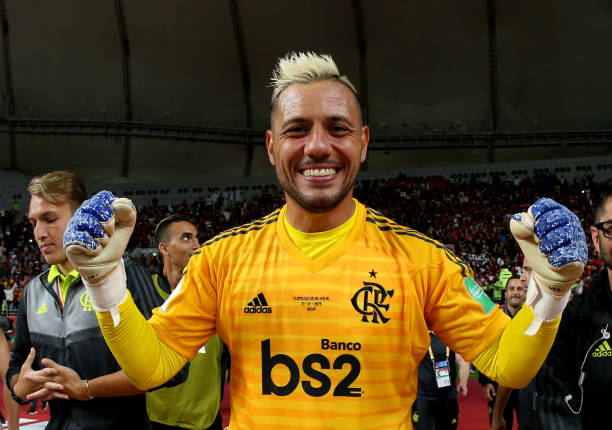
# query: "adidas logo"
[[259, 305], [42, 309], [603, 350]]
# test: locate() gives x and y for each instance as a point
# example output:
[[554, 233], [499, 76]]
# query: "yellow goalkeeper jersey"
[[332, 342]]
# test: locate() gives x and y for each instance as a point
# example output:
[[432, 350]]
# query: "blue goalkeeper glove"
[[554, 243], [95, 240]]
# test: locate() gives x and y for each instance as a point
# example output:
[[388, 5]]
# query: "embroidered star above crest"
[[373, 274]]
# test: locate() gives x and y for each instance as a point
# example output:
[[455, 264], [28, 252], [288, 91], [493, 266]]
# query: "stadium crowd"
[[470, 214]]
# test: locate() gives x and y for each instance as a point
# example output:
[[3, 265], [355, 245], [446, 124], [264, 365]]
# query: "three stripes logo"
[[42, 309], [259, 305], [603, 350]]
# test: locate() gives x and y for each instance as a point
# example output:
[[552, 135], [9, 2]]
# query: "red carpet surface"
[[472, 411], [472, 408], [36, 421]]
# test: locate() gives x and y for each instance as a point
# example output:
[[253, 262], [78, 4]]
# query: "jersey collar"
[[54, 272], [318, 263]]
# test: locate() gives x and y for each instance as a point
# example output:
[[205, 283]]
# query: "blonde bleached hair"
[[305, 67]]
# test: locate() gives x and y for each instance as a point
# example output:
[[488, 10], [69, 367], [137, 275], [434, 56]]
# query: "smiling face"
[[317, 144], [516, 293], [49, 221]]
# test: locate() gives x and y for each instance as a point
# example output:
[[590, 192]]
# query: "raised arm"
[[554, 242], [148, 361], [95, 240]]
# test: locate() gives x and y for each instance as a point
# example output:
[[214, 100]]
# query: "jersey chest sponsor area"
[[332, 366], [314, 374]]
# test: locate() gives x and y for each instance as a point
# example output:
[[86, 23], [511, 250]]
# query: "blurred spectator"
[[9, 291], [515, 295], [507, 399]]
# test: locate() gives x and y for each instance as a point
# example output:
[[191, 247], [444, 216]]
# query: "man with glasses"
[[574, 383]]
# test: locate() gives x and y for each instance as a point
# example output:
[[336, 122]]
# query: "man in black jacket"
[[574, 383]]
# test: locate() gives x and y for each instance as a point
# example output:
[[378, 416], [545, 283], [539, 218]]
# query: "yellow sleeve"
[[514, 358], [187, 320], [146, 360]]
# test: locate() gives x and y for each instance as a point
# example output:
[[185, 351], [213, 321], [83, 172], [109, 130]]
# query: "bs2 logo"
[[323, 382]]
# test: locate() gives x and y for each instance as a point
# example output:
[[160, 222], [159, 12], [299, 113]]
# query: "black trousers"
[[508, 410], [439, 414]]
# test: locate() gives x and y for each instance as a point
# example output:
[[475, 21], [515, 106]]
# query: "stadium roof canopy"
[[149, 89]]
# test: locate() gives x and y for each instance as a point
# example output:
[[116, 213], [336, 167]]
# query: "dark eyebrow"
[[293, 120]]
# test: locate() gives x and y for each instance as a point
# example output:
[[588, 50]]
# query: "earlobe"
[[269, 145]]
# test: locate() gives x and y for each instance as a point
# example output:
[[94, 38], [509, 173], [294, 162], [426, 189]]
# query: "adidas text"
[[257, 310], [603, 350]]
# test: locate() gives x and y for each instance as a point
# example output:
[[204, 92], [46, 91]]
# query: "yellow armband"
[[515, 358], [146, 360]]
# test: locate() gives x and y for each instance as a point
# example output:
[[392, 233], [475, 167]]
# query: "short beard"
[[317, 206]]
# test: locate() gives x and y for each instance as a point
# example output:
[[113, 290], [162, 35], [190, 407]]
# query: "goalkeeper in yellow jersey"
[[325, 304]]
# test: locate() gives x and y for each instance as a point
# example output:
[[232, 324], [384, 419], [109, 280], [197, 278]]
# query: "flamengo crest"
[[370, 302]]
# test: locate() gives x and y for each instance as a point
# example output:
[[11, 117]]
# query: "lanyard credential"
[[441, 370], [59, 292]]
